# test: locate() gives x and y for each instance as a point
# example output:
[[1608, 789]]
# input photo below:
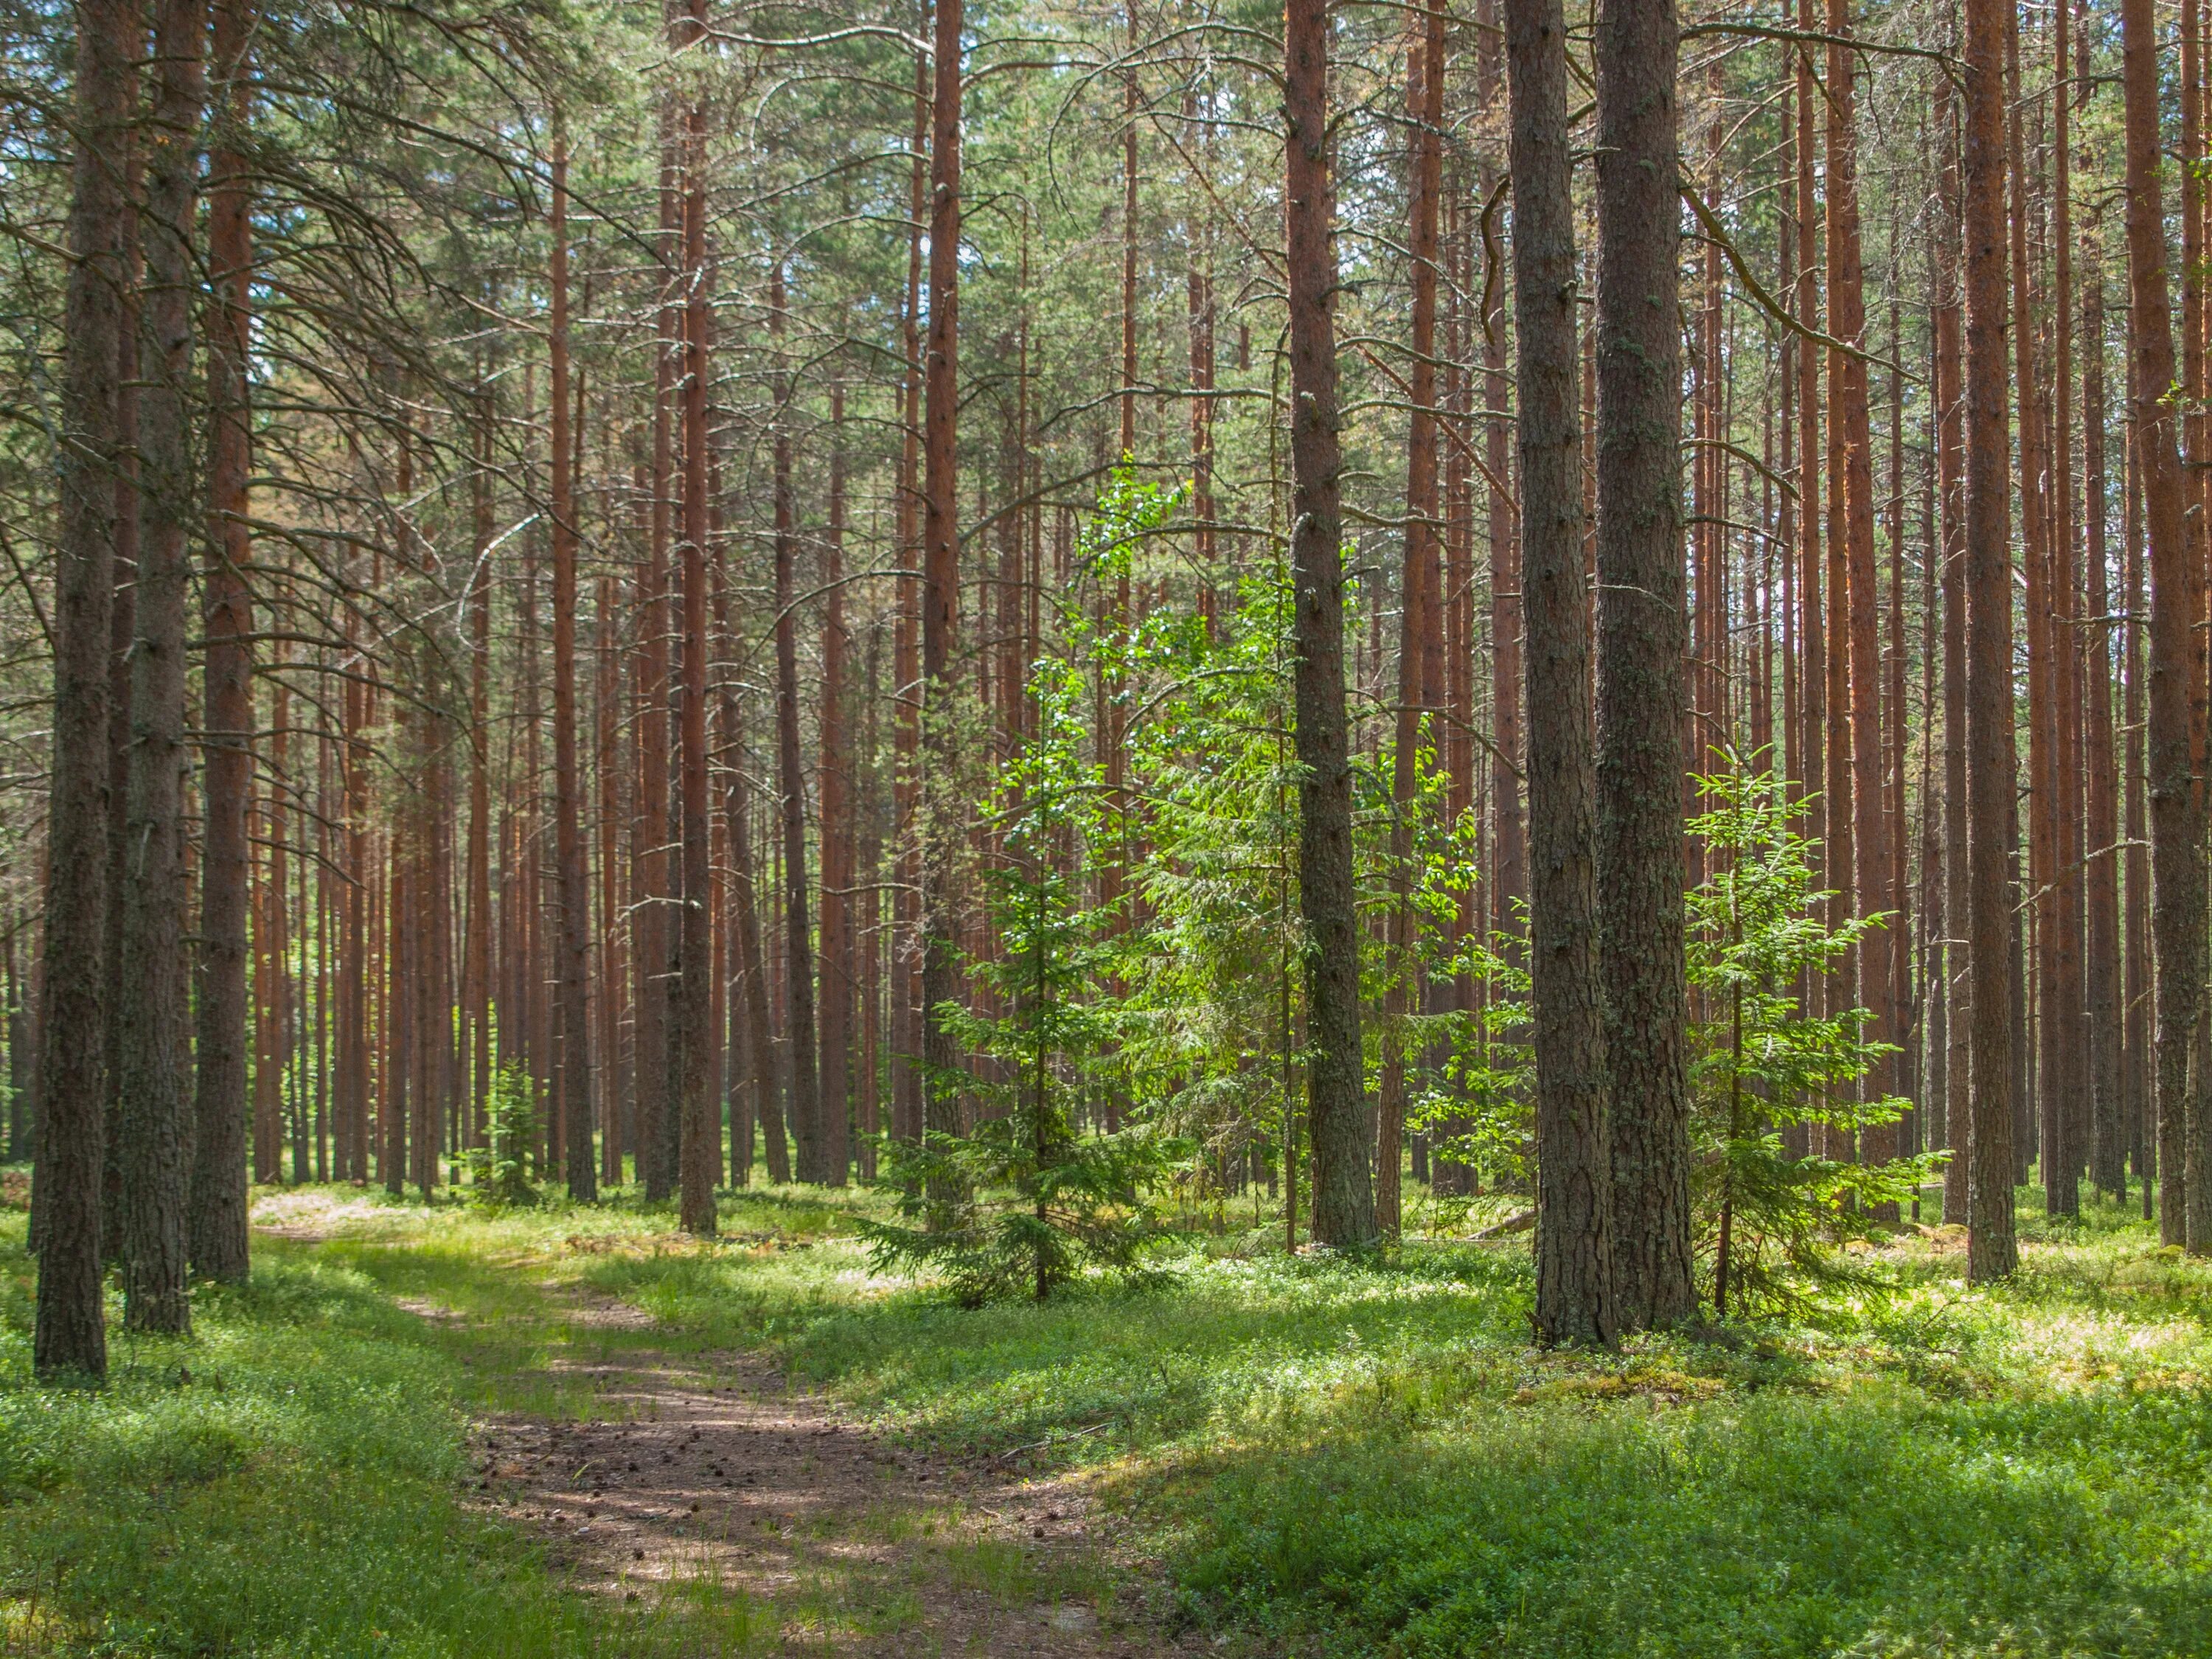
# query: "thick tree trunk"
[[2176, 653], [1992, 1250], [1574, 1274], [1343, 1195], [1639, 658], [154, 1089], [70, 1338], [217, 1217]]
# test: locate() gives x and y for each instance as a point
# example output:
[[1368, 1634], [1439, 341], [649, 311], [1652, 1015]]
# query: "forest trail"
[[707, 1477]]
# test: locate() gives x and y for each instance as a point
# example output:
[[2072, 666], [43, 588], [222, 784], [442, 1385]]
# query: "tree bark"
[[1420, 653], [938, 833], [2108, 1150], [1576, 1284], [1951, 482], [791, 795], [154, 1089], [1992, 1248], [573, 968], [2177, 659], [70, 1338], [700, 1156], [1850, 443], [217, 1217], [1641, 640], [836, 765], [1343, 1195]]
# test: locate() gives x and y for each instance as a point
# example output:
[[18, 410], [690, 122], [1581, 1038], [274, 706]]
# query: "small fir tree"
[[500, 1168], [1028, 1201], [1769, 1223]]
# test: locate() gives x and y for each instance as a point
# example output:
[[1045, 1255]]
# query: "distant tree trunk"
[[154, 1089], [752, 968], [2136, 1069], [2108, 1140], [906, 1037], [700, 1157], [70, 1338], [836, 761], [1850, 442], [1336, 1113], [1814, 652], [657, 1115], [1574, 1276], [607, 709], [1639, 662], [476, 993], [791, 790], [574, 964], [2177, 659], [1951, 476], [272, 985], [940, 586], [1420, 656], [1992, 1250]]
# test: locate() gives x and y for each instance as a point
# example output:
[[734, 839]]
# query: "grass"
[[1328, 1458], [289, 1481]]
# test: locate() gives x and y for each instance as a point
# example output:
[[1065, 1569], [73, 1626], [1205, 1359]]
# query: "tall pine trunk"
[[69, 1336], [1575, 1276], [153, 1089], [2176, 653], [938, 834], [1343, 1195], [791, 791], [1420, 656], [1640, 626], [836, 764], [1992, 1250], [217, 1217], [700, 1148], [571, 966]]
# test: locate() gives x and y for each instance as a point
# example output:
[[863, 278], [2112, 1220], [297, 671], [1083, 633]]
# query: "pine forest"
[[1106, 827]]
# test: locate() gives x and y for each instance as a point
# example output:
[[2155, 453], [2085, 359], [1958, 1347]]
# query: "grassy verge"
[[1339, 1459], [289, 1482]]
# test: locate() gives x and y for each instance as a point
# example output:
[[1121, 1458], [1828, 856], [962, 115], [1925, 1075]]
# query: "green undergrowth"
[[287, 1484], [1367, 1457], [1330, 1457]]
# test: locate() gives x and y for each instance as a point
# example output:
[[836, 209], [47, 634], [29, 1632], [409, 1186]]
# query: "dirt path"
[[710, 1480]]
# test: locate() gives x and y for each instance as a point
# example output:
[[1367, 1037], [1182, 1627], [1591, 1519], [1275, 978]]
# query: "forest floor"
[[425, 1430]]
